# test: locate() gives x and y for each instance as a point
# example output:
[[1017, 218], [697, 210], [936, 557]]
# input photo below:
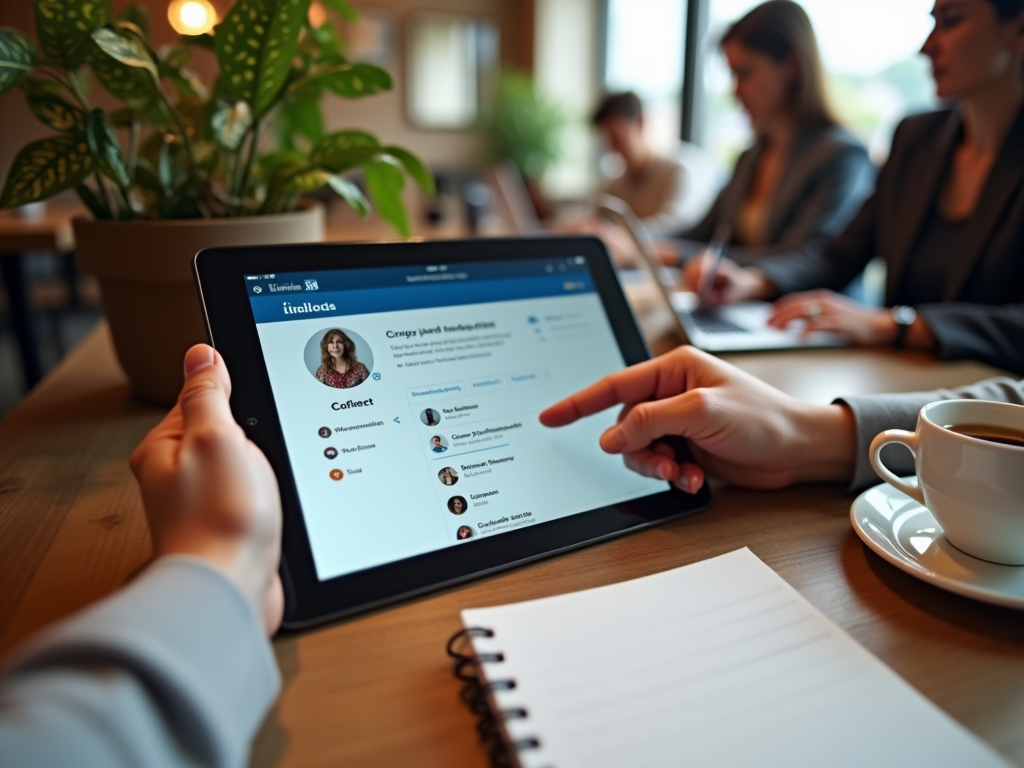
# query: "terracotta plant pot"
[[149, 297]]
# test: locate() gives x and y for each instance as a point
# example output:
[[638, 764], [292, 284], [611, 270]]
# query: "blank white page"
[[719, 663]]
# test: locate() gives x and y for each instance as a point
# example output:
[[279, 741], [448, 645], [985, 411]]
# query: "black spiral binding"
[[475, 692]]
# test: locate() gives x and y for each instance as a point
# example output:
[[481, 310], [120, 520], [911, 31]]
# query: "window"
[[644, 53]]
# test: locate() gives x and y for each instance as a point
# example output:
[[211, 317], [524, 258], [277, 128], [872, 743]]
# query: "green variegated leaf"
[[350, 193], [46, 104], [44, 168], [255, 46], [102, 141], [343, 9], [414, 167], [17, 57], [137, 15], [125, 48], [133, 85], [92, 201], [230, 124], [204, 41], [353, 81], [385, 181], [299, 116], [188, 84], [64, 28], [342, 150], [305, 183]]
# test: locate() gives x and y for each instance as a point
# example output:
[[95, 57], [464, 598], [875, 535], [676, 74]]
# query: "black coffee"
[[991, 432]]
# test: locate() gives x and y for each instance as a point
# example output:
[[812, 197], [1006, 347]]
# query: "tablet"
[[395, 389]]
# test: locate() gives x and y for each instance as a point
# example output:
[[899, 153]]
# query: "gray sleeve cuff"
[[193, 640], [876, 413], [873, 414]]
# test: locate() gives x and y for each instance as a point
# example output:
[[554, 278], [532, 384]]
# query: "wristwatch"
[[904, 317]]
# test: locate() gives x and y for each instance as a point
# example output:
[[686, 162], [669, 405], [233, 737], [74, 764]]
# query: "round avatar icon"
[[338, 358], [448, 476], [464, 532], [331, 453]]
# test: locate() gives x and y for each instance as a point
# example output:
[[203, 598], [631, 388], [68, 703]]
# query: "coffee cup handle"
[[902, 437]]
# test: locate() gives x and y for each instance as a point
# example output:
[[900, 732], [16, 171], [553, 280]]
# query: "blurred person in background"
[[947, 213], [805, 175]]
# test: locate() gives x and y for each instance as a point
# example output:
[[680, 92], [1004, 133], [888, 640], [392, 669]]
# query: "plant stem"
[[103, 193], [76, 89], [254, 145], [186, 140], [133, 147]]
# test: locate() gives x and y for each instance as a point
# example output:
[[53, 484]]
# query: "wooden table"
[[377, 690]]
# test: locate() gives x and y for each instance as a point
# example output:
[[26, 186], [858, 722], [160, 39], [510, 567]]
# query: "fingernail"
[[197, 358], [613, 440], [683, 484], [661, 473]]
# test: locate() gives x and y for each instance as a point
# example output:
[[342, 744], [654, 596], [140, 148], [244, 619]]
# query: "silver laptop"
[[727, 328]]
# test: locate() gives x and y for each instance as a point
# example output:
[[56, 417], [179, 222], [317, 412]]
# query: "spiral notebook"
[[717, 663]]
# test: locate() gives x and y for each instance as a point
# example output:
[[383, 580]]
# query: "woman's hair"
[[348, 352], [451, 504], [1008, 9], [778, 29]]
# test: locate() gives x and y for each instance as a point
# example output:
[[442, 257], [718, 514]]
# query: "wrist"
[[920, 336], [760, 288], [887, 330], [828, 444]]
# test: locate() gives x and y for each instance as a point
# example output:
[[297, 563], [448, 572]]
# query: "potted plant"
[[180, 166], [524, 128]]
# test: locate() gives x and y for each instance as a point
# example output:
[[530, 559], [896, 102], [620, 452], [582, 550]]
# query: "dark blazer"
[[982, 317], [827, 176]]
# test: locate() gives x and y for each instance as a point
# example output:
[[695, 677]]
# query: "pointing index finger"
[[632, 385]]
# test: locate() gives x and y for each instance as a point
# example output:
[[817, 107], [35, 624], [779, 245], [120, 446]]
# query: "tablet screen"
[[408, 400]]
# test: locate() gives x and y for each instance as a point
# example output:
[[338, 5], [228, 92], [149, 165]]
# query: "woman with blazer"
[[947, 214], [805, 175]]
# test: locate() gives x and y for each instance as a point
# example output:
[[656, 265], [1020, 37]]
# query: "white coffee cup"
[[974, 488]]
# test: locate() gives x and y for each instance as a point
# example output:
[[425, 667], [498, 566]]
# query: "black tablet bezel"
[[220, 279]]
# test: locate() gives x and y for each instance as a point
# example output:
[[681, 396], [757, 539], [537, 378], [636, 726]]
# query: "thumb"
[[646, 422], [204, 397]]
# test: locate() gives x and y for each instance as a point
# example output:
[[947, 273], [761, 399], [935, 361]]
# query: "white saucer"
[[905, 533]]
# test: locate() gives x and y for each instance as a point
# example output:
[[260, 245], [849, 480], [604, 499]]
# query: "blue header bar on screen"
[[297, 296]]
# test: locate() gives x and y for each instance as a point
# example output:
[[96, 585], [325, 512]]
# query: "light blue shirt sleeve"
[[173, 670]]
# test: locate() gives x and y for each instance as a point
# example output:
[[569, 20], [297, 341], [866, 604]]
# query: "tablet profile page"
[[408, 399]]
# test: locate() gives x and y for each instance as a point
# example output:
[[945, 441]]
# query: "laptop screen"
[[408, 399]]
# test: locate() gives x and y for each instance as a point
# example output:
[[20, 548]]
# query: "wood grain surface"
[[376, 690]]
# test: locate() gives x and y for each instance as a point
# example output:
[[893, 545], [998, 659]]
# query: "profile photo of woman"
[[464, 532], [457, 505], [448, 476], [339, 366], [430, 417]]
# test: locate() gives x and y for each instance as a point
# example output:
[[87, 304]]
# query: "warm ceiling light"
[[317, 14], [191, 17]]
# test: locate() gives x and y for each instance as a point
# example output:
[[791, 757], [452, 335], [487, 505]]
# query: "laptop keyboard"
[[711, 321]]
